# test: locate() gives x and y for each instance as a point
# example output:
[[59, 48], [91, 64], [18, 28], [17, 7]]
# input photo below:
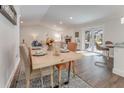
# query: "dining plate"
[[64, 50], [39, 54], [36, 48]]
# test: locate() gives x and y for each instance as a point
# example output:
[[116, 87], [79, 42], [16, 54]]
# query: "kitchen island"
[[118, 67]]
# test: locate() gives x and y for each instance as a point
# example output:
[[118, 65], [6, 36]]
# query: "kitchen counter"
[[119, 45], [118, 67]]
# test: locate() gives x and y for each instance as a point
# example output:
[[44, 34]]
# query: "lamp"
[[57, 37], [34, 35]]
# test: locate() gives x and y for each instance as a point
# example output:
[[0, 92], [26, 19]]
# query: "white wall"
[[113, 30], [9, 49], [41, 31]]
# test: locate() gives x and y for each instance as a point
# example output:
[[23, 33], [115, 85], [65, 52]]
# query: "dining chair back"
[[72, 46], [100, 48], [108, 42], [29, 72], [26, 60]]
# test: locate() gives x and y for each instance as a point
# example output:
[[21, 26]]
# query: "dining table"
[[50, 60]]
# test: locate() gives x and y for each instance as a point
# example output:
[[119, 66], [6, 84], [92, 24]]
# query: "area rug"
[[75, 82]]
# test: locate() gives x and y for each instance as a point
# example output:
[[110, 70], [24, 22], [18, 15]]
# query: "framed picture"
[[9, 12], [76, 34]]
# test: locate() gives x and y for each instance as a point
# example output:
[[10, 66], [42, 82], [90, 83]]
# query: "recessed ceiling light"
[[61, 22], [70, 17], [21, 22]]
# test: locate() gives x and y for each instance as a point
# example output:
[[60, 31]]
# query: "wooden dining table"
[[50, 60]]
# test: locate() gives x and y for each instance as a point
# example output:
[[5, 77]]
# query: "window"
[[122, 20]]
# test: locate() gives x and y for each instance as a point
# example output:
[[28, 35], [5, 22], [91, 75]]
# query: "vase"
[[50, 48], [56, 51]]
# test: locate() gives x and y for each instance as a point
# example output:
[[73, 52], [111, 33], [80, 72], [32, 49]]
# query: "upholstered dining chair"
[[109, 43], [102, 49], [72, 47], [29, 72]]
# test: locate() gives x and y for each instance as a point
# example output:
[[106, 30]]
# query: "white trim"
[[118, 72], [12, 75], [111, 56]]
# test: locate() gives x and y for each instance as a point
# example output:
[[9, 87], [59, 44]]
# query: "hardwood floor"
[[97, 76]]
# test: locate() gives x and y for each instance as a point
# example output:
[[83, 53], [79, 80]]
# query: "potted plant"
[[49, 43]]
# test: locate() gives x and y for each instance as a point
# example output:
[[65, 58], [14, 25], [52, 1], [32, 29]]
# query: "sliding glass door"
[[98, 38], [88, 40], [93, 36]]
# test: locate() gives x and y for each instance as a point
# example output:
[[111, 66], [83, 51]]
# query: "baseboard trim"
[[12, 74], [118, 72]]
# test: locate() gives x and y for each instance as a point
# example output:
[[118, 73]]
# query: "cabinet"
[[118, 67]]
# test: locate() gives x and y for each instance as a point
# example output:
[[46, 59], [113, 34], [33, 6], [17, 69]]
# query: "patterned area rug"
[[75, 82]]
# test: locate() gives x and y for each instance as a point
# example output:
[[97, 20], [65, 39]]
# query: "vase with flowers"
[[49, 43]]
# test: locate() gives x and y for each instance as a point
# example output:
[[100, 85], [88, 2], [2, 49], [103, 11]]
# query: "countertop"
[[119, 45]]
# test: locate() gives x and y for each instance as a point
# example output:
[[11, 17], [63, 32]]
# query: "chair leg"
[[74, 68], [27, 83], [104, 63], [59, 76], [107, 52]]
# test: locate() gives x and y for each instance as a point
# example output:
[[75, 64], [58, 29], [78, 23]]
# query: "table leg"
[[27, 83], [60, 76], [51, 76], [69, 72], [41, 78], [74, 68]]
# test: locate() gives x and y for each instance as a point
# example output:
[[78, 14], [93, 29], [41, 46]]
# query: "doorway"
[[93, 36]]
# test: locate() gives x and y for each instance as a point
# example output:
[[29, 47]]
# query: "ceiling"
[[59, 15]]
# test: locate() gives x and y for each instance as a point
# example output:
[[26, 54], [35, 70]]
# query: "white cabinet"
[[118, 67]]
